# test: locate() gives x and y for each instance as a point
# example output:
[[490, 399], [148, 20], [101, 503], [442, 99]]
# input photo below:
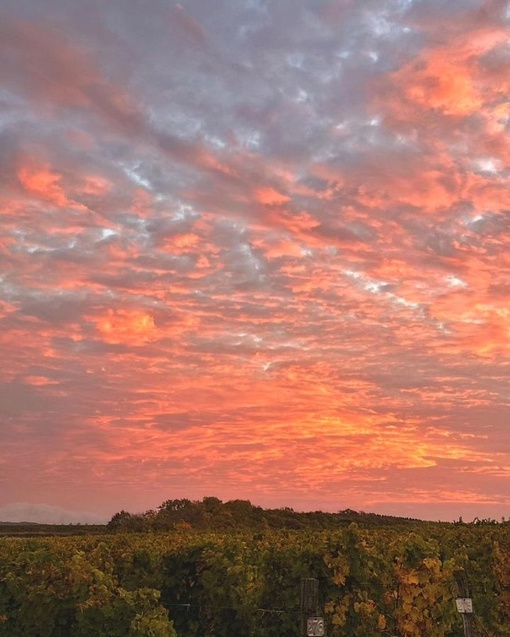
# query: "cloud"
[[240, 245], [126, 326], [44, 66], [46, 514], [40, 182]]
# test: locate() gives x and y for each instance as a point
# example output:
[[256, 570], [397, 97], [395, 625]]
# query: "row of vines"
[[384, 581]]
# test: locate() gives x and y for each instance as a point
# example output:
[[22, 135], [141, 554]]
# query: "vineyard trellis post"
[[464, 602], [312, 624]]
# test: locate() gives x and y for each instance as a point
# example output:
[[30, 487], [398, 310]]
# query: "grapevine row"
[[388, 582]]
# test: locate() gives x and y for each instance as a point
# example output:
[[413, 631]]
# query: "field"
[[387, 581]]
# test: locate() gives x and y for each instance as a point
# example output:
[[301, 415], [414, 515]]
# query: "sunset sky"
[[255, 249]]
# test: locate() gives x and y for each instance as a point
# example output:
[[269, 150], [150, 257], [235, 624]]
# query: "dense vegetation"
[[384, 580], [213, 514], [34, 529]]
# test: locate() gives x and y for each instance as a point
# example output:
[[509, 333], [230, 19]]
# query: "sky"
[[254, 249]]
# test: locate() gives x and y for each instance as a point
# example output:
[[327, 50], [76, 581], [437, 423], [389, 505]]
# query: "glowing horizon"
[[255, 251]]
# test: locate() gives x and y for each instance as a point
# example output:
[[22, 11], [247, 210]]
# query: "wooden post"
[[309, 602], [464, 603]]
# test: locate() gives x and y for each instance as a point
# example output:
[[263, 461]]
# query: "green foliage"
[[393, 581], [213, 514], [65, 587]]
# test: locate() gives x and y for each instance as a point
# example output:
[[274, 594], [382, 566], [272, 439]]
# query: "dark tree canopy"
[[213, 514]]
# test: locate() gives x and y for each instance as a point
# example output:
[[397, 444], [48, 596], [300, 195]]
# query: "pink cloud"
[[41, 182], [243, 254], [270, 196], [134, 327]]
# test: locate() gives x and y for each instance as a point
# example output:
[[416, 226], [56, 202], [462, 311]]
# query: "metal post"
[[464, 602]]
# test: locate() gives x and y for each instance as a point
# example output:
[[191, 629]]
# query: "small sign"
[[464, 604], [315, 627]]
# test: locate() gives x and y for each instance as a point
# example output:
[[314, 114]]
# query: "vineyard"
[[384, 581]]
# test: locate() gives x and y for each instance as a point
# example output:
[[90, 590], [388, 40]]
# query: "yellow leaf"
[[410, 578]]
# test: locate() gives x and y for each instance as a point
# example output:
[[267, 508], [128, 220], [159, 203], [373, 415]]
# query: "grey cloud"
[[55, 308], [17, 398], [185, 112], [47, 514], [437, 8], [180, 421]]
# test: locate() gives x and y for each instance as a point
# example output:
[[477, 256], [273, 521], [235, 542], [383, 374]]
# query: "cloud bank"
[[255, 250], [46, 514]]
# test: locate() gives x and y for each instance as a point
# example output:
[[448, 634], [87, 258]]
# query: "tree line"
[[212, 514]]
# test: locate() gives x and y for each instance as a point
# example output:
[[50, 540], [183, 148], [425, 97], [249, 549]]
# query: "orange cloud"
[[40, 181], [96, 185], [331, 313], [129, 327], [6, 309], [182, 243], [270, 196], [424, 189], [40, 381], [449, 80], [280, 249], [438, 82]]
